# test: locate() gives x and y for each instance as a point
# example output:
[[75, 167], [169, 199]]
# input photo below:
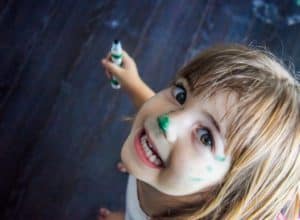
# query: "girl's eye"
[[205, 137], [179, 93]]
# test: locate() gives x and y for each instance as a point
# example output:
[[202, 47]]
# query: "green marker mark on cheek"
[[196, 179], [220, 158], [209, 168]]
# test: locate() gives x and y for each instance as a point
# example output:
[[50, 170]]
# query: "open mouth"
[[147, 151]]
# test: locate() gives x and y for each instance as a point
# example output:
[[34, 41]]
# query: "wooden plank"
[[77, 117], [21, 27], [237, 22], [48, 55], [77, 112]]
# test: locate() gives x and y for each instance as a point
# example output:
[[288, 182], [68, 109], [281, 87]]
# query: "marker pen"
[[116, 58]]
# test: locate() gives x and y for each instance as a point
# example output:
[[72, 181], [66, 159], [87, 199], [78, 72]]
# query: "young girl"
[[222, 142]]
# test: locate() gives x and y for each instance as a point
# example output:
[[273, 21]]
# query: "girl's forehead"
[[222, 100]]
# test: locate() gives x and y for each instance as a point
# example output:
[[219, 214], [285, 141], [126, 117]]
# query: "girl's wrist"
[[140, 92], [134, 86]]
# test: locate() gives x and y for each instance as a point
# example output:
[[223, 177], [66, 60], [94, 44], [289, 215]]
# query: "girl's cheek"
[[212, 171], [155, 107]]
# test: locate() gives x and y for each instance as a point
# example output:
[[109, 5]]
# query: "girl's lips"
[[140, 151], [154, 148]]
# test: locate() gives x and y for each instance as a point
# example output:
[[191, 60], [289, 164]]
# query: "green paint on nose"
[[163, 122]]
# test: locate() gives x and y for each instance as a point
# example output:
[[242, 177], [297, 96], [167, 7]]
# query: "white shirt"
[[133, 210]]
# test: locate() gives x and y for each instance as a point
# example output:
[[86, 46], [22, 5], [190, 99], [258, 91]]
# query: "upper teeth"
[[149, 153]]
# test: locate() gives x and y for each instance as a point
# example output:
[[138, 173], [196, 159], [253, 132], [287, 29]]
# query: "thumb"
[[112, 68]]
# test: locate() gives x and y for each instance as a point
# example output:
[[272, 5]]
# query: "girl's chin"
[[127, 157], [124, 157]]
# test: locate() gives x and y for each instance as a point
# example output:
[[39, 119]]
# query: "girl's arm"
[[140, 94], [129, 79]]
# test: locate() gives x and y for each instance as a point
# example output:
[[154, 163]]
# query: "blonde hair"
[[263, 138]]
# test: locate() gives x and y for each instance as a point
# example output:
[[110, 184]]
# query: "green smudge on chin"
[[220, 158]]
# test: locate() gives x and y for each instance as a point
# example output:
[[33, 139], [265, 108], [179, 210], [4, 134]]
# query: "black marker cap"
[[116, 41]]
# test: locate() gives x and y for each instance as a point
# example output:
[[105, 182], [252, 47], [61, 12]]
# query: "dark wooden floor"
[[61, 126]]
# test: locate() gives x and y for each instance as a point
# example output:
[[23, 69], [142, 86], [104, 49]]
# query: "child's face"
[[191, 149]]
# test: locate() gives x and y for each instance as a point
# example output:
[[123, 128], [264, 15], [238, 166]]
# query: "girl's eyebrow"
[[213, 121], [186, 83]]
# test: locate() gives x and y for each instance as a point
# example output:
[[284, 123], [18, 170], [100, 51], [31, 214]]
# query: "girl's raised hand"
[[127, 75]]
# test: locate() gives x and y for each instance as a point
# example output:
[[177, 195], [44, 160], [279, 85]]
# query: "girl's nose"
[[163, 123], [175, 124]]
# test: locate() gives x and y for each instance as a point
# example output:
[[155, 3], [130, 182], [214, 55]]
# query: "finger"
[[121, 167], [125, 54], [104, 212], [111, 67], [107, 74], [127, 60], [108, 56], [105, 59]]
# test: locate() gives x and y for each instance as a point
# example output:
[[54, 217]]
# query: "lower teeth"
[[154, 159]]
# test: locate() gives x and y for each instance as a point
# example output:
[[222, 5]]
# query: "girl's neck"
[[152, 201], [155, 203]]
